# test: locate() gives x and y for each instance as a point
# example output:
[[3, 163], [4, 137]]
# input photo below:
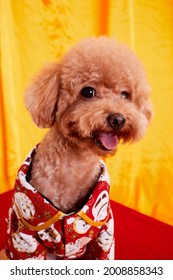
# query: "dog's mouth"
[[106, 141]]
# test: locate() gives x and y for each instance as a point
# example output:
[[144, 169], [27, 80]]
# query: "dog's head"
[[96, 95]]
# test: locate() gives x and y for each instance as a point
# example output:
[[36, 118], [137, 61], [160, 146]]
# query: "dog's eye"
[[125, 95], [88, 92]]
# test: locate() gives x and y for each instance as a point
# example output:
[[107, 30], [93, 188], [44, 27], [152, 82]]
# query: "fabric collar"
[[40, 214]]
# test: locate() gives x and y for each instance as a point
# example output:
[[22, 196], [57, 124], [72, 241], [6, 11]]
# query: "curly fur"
[[66, 166]]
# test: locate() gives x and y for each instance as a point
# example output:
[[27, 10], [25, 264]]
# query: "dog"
[[93, 99]]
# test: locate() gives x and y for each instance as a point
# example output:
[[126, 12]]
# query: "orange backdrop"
[[34, 32]]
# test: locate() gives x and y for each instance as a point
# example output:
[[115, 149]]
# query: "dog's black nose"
[[116, 121]]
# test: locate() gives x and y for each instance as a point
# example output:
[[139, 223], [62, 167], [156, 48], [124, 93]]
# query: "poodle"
[[93, 99]]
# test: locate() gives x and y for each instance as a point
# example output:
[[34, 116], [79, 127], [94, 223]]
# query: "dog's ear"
[[42, 95], [148, 110]]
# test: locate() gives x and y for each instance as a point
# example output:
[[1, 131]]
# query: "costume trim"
[[46, 225], [90, 221]]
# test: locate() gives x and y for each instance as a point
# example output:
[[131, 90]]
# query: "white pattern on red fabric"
[[87, 234]]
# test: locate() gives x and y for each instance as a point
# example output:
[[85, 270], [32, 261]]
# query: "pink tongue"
[[108, 140]]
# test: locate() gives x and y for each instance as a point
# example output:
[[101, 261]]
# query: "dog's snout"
[[116, 121]]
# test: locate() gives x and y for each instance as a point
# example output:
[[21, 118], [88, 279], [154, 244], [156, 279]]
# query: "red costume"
[[36, 227]]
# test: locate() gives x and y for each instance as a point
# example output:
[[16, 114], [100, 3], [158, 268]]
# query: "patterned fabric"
[[36, 227]]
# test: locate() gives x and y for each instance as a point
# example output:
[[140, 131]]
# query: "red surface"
[[5, 202], [137, 236]]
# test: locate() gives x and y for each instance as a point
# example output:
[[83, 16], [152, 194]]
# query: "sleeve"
[[21, 242], [105, 240]]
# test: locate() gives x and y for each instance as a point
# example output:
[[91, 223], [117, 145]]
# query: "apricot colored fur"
[[66, 165]]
